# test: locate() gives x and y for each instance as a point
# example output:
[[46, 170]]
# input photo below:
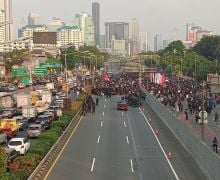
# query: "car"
[[21, 145], [34, 130], [122, 106], [22, 122], [44, 120], [3, 137]]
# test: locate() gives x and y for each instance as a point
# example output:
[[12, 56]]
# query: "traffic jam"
[[28, 111]]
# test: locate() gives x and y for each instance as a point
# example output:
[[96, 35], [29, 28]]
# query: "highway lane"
[[112, 145]]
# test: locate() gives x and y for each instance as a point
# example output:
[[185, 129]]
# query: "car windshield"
[[34, 128], [15, 143]]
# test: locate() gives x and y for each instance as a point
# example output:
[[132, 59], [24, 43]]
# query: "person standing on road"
[[197, 117], [216, 116], [186, 114], [97, 101], [215, 144]]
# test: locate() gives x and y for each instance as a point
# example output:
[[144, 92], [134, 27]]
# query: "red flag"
[[105, 77], [163, 81]]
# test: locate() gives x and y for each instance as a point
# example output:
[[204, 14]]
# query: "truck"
[[6, 100], [65, 88], [35, 96], [23, 100], [10, 127], [41, 106], [29, 112], [50, 86], [46, 97]]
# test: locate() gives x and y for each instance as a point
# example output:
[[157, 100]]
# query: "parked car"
[[3, 137], [21, 145], [22, 122], [34, 130]]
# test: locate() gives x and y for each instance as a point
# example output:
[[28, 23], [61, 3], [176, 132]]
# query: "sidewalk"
[[211, 129]]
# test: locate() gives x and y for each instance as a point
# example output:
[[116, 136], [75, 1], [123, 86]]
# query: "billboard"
[[45, 37]]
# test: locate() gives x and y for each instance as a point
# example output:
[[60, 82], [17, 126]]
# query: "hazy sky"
[[155, 16]]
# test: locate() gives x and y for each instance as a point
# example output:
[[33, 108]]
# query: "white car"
[[21, 145]]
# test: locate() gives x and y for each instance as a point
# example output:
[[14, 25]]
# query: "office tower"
[[69, 35], [157, 42], [102, 41], [7, 7], [134, 30], [33, 19], [84, 21], [143, 39], [96, 21], [118, 30], [2, 29]]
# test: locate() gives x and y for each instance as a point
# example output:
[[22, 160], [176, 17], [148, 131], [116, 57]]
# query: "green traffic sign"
[[49, 65], [25, 80], [19, 72], [40, 71]]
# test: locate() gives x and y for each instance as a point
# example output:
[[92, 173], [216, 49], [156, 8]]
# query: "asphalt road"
[[116, 145]]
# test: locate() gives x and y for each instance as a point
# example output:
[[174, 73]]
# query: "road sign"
[[40, 71], [50, 65], [19, 72], [205, 114], [205, 121], [25, 80]]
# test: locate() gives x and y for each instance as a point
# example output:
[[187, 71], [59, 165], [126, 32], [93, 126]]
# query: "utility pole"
[[203, 110]]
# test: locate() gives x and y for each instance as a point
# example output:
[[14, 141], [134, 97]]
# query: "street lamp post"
[[203, 109], [195, 69]]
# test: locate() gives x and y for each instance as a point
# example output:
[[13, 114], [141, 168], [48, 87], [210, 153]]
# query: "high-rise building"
[[33, 19], [143, 39], [27, 31], [102, 41], [7, 7], [2, 29], [69, 35], [96, 21], [176, 34], [84, 21], [55, 24], [157, 42], [118, 30], [134, 30], [188, 28]]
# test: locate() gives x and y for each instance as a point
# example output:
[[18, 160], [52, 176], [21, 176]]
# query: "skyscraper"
[[2, 29], [118, 30], [157, 42], [96, 21], [84, 21], [33, 19], [134, 30], [7, 7], [188, 28], [143, 38]]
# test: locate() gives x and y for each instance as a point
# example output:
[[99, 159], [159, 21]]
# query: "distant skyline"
[[155, 16]]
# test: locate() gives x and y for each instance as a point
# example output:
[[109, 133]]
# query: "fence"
[[203, 154]]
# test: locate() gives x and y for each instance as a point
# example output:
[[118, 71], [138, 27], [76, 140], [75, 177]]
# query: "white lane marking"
[[105, 100], [93, 164], [125, 124], [127, 139], [104, 105], [103, 113], [132, 167], [122, 113], [101, 123], [98, 139], [174, 172]]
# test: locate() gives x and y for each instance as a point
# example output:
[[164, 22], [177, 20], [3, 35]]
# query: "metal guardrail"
[[41, 170]]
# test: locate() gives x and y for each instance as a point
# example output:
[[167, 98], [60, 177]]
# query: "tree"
[[209, 47], [3, 162], [175, 47], [71, 57]]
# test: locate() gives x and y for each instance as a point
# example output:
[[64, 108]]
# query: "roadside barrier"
[[41, 170]]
